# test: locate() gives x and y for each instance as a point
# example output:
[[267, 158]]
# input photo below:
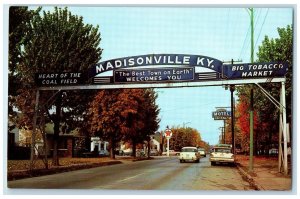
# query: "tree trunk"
[[112, 149], [133, 148], [148, 152], [55, 161]]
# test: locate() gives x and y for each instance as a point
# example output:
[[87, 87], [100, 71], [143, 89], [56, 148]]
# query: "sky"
[[219, 32]]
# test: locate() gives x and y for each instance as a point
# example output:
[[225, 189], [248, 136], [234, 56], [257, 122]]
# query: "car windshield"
[[200, 149], [188, 150], [222, 150]]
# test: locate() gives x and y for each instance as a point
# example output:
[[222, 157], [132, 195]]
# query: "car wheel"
[[213, 163]]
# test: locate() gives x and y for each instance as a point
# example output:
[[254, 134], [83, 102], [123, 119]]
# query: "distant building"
[[98, 144]]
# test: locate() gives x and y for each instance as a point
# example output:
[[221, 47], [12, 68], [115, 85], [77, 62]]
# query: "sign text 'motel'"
[[221, 115]]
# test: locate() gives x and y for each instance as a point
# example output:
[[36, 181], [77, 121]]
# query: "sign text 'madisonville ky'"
[[157, 59], [154, 75]]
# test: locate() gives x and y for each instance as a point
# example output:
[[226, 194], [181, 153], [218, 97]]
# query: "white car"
[[189, 154], [221, 155], [202, 152]]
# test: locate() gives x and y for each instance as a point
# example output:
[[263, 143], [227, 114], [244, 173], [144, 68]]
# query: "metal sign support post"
[[224, 140], [168, 146], [283, 128], [168, 135], [281, 105]]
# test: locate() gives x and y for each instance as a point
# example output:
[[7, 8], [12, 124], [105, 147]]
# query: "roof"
[[49, 129]]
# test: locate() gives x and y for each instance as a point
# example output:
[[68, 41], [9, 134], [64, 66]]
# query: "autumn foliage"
[[123, 114], [243, 121]]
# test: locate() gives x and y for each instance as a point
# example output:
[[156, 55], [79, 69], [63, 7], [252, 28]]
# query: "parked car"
[[171, 152], [189, 154], [273, 152], [221, 155], [202, 152], [126, 152], [103, 153], [153, 152]]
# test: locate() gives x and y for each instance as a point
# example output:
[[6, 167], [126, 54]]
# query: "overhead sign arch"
[[164, 70]]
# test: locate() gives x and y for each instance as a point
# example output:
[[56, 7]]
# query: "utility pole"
[[224, 127], [251, 97], [232, 89]]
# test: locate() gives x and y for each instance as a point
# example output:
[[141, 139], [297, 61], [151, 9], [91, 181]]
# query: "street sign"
[[168, 133], [221, 114]]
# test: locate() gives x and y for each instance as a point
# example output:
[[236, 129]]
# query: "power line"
[[244, 41], [261, 27], [243, 51]]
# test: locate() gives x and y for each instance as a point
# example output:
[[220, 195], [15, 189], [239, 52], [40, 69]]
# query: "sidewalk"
[[265, 175]]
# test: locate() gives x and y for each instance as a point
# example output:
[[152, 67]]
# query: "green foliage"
[[19, 27], [278, 50], [55, 42]]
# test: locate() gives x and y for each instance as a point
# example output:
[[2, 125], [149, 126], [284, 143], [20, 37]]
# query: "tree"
[[128, 114], [185, 137], [19, 28], [242, 115], [58, 42], [134, 115], [278, 50], [151, 120], [105, 117]]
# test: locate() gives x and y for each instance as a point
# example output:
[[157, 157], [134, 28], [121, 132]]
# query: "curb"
[[249, 178], [16, 175]]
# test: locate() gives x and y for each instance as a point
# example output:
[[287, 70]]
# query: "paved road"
[[161, 173]]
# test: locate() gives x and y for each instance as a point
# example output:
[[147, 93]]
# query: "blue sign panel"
[[255, 70], [154, 75], [221, 115], [157, 59]]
